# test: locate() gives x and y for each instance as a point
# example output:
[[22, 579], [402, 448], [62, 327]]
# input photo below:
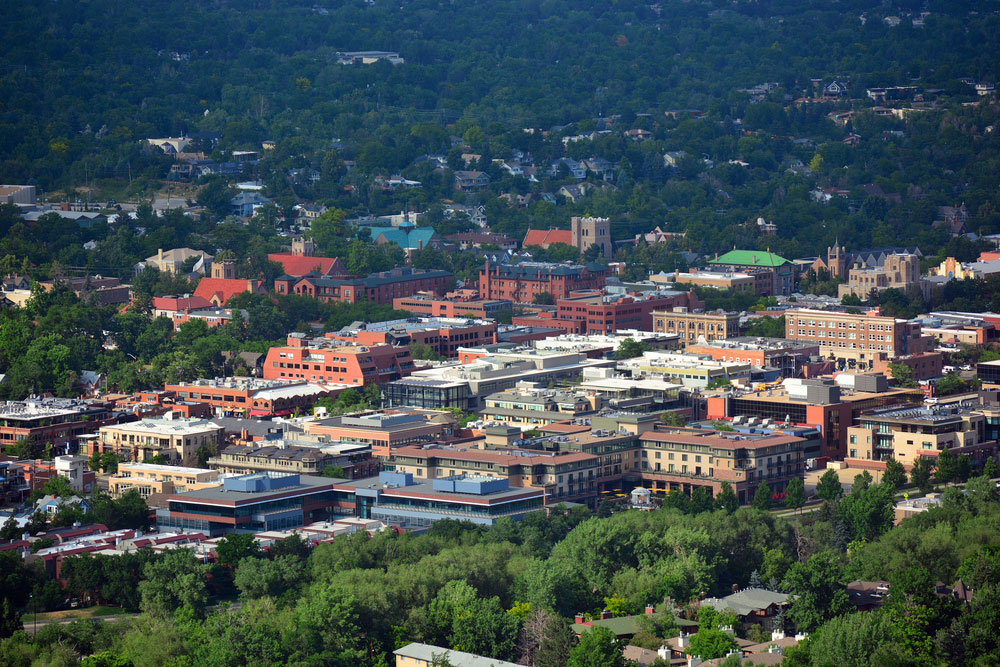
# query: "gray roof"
[[748, 600], [428, 653]]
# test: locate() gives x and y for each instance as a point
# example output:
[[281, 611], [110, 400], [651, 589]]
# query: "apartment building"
[[175, 439], [443, 335], [254, 397], [911, 432], [561, 476], [529, 406], [858, 339], [696, 326], [329, 360], [150, 478], [684, 460], [595, 312], [384, 432], [786, 355], [379, 288], [60, 421], [522, 282], [453, 304]]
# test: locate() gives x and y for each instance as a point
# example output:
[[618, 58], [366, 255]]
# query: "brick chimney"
[[606, 614], [650, 610], [579, 619]]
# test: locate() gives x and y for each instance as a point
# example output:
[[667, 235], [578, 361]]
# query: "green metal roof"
[[625, 625], [750, 258]]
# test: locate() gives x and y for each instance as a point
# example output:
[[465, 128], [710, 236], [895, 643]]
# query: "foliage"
[[233, 548], [727, 500], [630, 348], [597, 648], [818, 587], [766, 327], [895, 474], [795, 493], [762, 497], [920, 473], [829, 486]]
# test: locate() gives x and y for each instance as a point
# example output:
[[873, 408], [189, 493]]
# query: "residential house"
[[471, 181], [244, 203], [574, 168], [171, 261]]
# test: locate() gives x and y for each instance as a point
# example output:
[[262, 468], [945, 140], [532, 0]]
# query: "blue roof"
[[410, 238]]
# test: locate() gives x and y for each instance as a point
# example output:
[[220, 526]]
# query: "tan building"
[[170, 261], [900, 271], [531, 406], [176, 439], [150, 478], [245, 460], [862, 338], [590, 231], [908, 433], [741, 283], [692, 327]]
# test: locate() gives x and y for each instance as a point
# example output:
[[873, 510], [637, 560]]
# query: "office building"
[[788, 356], [150, 478], [461, 303], [331, 361], [177, 440], [696, 326], [253, 397], [773, 274], [442, 335], [379, 288], [529, 405], [59, 421], [524, 281], [385, 431]]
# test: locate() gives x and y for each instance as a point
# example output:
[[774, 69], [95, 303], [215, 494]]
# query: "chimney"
[[578, 619], [650, 610], [159, 253], [605, 614]]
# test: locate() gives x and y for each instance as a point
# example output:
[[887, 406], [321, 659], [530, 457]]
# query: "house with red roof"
[[301, 261], [546, 237], [223, 285]]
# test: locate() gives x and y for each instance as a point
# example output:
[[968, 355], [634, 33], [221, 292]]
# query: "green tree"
[[868, 510], [903, 375], [818, 588], [554, 642], [453, 599], [334, 471], [173, 581], [920, 473], [762, 497], [486, 629], [630, 348], [727, 500], [598, 647], [234, 547], [543, 299], [895, 474], [990, 468], [259, 577], [795, 494], [710, 643], [829, 486], [947, 468]]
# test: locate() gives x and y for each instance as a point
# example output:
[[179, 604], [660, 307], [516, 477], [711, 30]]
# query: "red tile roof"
[[180, 303], [300, 265], [543, 237], [222, 288]]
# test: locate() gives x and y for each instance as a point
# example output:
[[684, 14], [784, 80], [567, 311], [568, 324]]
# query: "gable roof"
[[751, 258], [180, 303], [410, 238], [300, 265], [748, 600], [543, 237], [222, 289]]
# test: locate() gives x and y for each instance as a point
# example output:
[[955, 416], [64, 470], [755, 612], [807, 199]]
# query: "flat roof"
[[721, 439], [219, 495], [425, 488], [512, 456], [156, 467]]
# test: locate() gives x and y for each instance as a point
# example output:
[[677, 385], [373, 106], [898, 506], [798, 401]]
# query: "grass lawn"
[[85, 612]]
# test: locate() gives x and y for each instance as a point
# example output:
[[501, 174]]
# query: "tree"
[[727, 500], [766, 327], [486, 629], [672, 418], [545, 640], [762, 497], [829, 486], [174, 580], [895, 474], [868, 510], [920, 473], [818, 589], [990, 468], [234, 547], [701, 500], [543, 299], [795, 493], [257, 577], [947, 468], [334, 471], [598, 647], [711, 643], [630, 348], [903, 375], [453, 598]]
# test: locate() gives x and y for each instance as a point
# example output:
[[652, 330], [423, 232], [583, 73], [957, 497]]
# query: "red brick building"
[[444, 336], [253, 397], [459, 303], [522, 282], [329, 360], [379, 288]]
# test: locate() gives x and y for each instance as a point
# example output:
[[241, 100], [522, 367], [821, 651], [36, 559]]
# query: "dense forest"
[[507, 591]]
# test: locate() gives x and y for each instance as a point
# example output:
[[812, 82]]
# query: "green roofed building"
[[773, 273]]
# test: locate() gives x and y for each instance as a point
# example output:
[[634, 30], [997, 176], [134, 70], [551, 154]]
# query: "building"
[[467, 240], [442, 335], [270, 456], [898, 270], [483, 371], [683, 460], [786, 355], [384, 432], [461, 303], [59, 421], [696, 326], [107, 291], [254, 503], [529, 406], [753, 606], [302, 261], [525, 281], [399, 499], [689, 370], [329, 360], [861, 340], [151, 478], [368, 57], [223, 285], [176, 440], [766, 266], [415, 654], [244, 203], [911, 432], [171, 261], [379, 288], [252, 396], [839, 260], [17, 194], [818, 403], [471, 181], [736, 282], [407, 236], [582, 234], [593, 312]]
